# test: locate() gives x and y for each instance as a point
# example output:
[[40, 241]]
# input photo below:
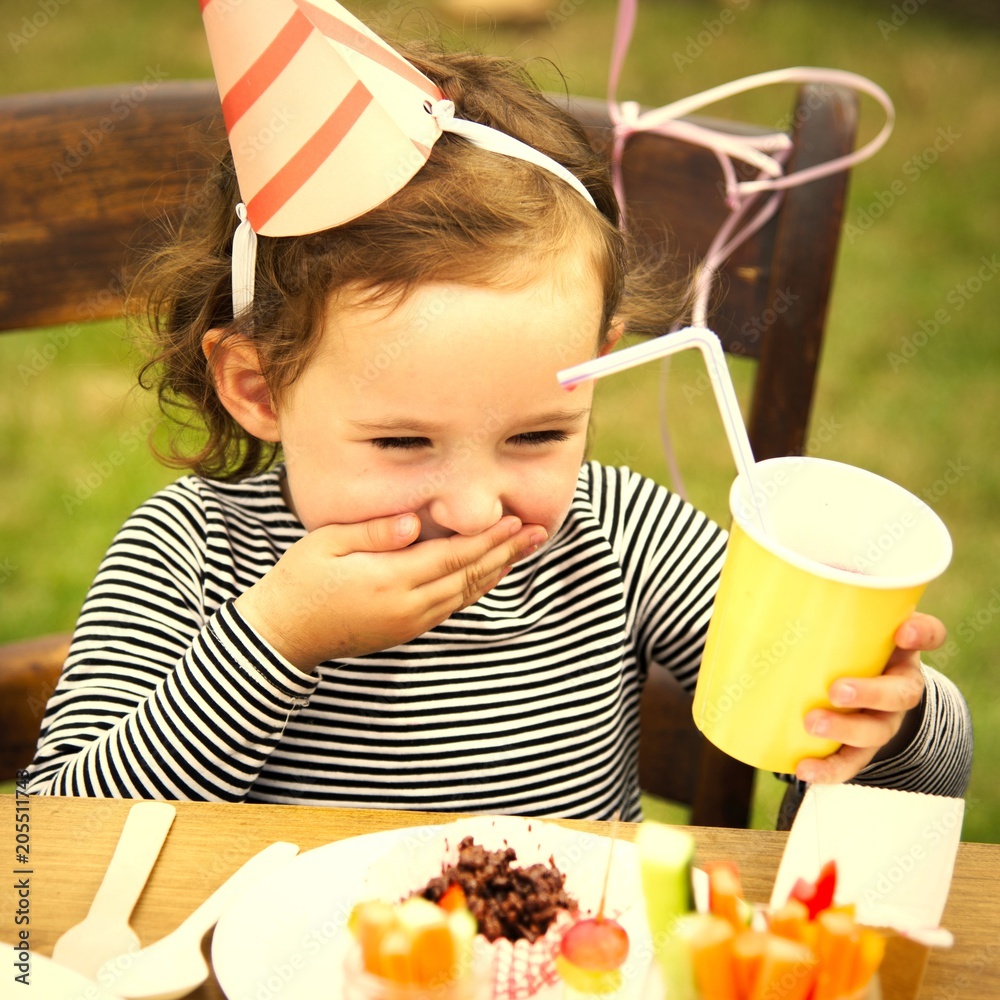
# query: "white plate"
[[286, 937]]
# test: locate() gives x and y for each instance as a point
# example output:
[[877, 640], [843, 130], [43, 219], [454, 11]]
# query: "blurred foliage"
[[907, 384]]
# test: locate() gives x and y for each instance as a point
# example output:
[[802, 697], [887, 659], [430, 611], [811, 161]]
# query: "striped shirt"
[[525, 702]]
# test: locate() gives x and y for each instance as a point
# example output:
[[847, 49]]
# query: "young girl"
[[433, 601]]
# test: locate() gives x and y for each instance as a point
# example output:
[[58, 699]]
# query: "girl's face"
[[447, 406]]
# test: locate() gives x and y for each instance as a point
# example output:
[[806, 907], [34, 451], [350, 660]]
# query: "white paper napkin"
[[895, 853]]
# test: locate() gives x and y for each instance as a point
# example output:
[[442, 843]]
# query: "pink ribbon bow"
[[768, 152]]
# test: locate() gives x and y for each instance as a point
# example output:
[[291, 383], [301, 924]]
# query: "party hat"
[[325, 120]]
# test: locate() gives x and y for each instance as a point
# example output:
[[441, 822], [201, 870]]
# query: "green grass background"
[[72, 425]]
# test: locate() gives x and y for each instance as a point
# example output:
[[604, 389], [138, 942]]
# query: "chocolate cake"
[[507, 901]]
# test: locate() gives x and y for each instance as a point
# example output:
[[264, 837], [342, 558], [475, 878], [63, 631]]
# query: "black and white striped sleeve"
[[672, 555], [159, 698], [938, 760]]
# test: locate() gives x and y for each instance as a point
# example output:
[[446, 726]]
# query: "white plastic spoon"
[[174, 966], [104, 932], [45, 979]]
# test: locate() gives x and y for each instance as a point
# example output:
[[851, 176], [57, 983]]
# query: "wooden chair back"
[[777, 289], [86, 177]]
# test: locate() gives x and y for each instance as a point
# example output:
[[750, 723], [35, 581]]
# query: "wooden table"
[[72, 840]]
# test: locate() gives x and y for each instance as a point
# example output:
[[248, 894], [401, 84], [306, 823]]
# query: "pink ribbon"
[[768, 152]]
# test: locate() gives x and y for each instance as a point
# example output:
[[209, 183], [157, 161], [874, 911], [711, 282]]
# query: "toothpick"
[[607, 873]]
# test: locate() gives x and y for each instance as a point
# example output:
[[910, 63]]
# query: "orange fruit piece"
[[787, 971], [431, 945], [792, 921], [748, 957], [394, 958], [725, 893], [871, 950], [712, 961], [837, 943], [370, 921]]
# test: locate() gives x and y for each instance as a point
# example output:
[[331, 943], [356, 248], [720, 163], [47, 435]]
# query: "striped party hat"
[[325, 120]]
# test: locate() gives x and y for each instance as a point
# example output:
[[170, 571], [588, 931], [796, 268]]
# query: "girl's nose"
[[465, 507]]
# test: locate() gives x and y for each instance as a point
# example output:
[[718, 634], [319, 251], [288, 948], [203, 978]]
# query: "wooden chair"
[[81, 185], [777, 288]]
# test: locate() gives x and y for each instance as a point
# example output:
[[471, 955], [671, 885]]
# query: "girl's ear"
[[240, 385], [614, 335]]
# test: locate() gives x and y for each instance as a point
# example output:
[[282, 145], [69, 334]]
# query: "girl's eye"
[[400, 443], [540, 437]]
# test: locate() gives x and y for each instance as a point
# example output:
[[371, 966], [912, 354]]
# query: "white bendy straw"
[[722, 385]]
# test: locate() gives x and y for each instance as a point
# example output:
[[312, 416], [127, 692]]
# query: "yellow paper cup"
[[847, 556]]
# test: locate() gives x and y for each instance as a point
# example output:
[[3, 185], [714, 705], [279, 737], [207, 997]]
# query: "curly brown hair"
[[467, 216]]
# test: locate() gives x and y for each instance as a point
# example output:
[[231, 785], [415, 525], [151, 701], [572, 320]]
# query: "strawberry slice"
[[817, 896]]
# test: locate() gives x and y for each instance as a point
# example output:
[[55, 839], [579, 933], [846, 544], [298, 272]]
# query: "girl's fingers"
[[898, 688], [917, 633], [381, 534], [881, 704], [433, 560], [445, 600], [921, 631], [469, 582], [460, 563], [838, 767], [867, 729]]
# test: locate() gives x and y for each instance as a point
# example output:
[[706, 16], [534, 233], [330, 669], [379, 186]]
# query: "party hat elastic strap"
[[325, 120]]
